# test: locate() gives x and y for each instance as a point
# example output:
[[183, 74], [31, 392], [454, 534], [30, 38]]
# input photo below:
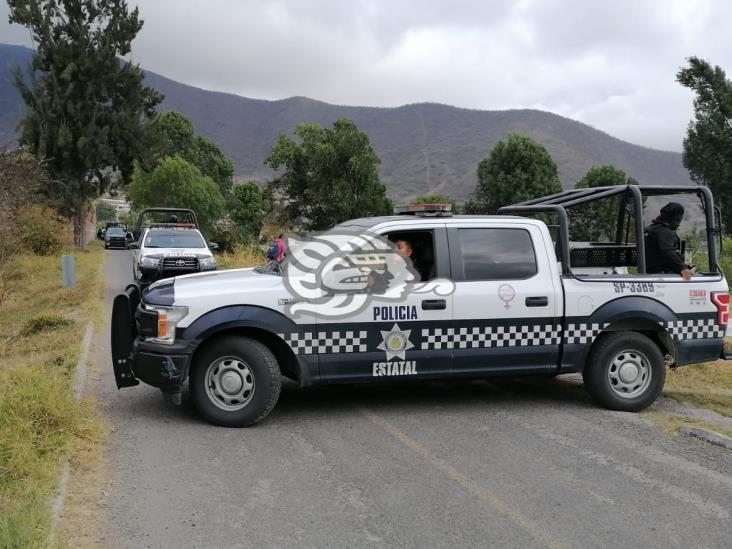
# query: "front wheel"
[[235, 381], [625, 371]]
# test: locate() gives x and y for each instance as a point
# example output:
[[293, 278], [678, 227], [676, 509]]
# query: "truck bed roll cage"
[[559, 202], [184, 218]]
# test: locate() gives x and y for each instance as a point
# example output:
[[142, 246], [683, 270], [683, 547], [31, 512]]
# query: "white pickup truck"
[[521, 298]]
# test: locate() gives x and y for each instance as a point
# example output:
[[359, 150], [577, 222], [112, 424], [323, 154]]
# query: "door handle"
[[537, 301], [434, 304]]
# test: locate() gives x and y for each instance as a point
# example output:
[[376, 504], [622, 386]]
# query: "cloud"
[[611, 65]]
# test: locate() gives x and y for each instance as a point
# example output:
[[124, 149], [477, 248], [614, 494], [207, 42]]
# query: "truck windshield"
[[115, 231], [174, 240]]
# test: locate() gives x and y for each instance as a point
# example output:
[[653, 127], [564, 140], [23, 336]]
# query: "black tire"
[[253, 362], [603, 374]]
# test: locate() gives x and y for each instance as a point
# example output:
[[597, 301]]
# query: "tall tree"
[[248, 209], [105, 211], [597, 221], [330, 175], [176, 183], [86, 109], [708, 141], [517, 169], [605, 176], [179, 139]]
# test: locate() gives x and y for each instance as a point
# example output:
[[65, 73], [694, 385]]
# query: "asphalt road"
[[499, 463]]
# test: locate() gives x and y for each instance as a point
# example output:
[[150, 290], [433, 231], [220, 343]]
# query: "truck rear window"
[[497, 254]]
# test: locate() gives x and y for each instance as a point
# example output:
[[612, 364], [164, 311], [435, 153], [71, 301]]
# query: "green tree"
[[330, 175], [604, 176], [248, 209], [517, 169], [176, 183], [87, 111], [597, 221], [179, 139], [436, 199], [708, 142], [105, 211]]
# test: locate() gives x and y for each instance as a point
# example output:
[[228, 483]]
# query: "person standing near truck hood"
[[662, 242]]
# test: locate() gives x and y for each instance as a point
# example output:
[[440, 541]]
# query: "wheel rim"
[[629, 374], [229, 383]]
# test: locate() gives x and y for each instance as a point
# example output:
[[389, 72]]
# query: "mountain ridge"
[[424, 147]]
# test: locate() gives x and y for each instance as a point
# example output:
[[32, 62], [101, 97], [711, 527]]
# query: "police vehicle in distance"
[[524, 299], [116, 237], [168, 248]]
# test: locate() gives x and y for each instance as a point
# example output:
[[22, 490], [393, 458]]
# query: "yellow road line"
[[457, 476]]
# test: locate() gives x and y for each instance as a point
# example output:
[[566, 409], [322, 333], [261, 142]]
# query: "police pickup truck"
[[168, 248], [482, 296]]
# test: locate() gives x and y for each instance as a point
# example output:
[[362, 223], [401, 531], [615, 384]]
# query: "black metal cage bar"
[[558, 202]]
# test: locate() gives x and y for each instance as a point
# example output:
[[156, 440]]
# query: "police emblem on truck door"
[[396, 342], [395, 345]]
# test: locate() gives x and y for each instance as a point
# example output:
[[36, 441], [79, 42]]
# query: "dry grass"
[[671, 423], [706, 385], [245, 255], [41, 327]]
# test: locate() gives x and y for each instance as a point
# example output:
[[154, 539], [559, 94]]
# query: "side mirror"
[[129, 236], [134, 245], [213, 246]]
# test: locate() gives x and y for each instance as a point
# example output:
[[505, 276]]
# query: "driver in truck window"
[[404, 247], [662, 243]]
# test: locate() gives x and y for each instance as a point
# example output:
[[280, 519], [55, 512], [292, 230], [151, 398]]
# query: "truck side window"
[[497, 254]]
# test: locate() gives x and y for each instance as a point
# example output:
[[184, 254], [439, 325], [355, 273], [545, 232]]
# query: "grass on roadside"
[[673, 422], [41, 328], [244, 255], [705, 385]]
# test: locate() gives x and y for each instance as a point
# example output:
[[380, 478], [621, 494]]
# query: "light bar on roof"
[[438, 207]]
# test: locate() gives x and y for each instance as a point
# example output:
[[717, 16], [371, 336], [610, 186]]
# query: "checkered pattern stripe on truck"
[[696, 328], [308, 343], [700, 328], [475, 337], [490, 336]]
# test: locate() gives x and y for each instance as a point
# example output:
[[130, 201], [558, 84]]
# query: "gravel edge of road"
[[80, 373], [707, 435]]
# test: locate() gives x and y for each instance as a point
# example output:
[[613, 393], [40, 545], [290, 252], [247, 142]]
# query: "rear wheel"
[[625, 371], [235, 381]]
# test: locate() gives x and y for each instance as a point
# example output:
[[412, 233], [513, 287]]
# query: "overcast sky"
[[609, 64]]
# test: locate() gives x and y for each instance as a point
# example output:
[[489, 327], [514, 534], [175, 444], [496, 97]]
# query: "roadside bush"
[[243, 255], [21, 176], [41, 230], [226, 234], [44, 323]]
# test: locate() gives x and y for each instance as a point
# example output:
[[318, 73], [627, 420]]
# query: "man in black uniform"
[[662, 243]]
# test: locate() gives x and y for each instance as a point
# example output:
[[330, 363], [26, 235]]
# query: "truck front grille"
[[180, 264]]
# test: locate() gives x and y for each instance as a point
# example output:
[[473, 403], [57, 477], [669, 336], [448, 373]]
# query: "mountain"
[[424, 147]]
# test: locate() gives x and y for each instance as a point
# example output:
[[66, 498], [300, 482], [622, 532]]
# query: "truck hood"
[[231, 283]]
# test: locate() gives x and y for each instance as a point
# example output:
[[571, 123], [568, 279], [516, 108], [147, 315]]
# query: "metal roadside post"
[[68, 270]]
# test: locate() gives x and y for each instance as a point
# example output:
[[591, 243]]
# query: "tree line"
[[94, 126]]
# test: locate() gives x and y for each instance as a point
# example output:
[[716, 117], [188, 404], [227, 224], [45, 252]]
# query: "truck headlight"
[[168, 319], [149, 261], [206, 262]]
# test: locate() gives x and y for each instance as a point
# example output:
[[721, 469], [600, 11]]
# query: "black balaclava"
[[671, 214]]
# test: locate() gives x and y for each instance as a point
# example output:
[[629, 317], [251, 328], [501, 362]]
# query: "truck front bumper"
[[159, 365], [134, 359]]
